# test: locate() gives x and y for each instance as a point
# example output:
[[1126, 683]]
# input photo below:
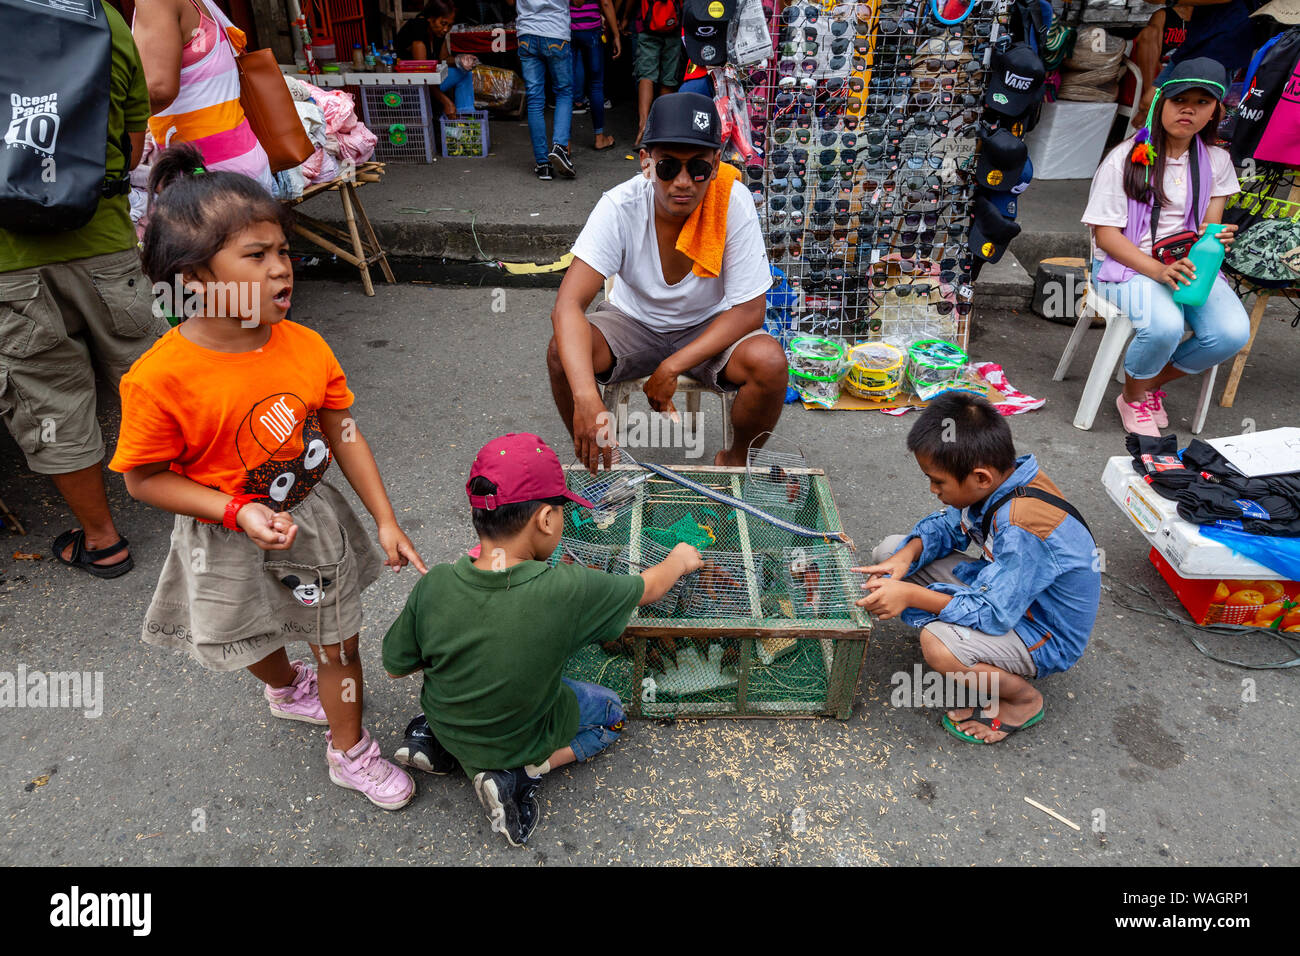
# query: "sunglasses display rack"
[[866, 122]]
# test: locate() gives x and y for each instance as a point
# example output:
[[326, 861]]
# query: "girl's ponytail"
[[177, 161]]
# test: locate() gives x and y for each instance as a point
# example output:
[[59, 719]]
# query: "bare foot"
[[729, 457], [98, 545], [1008, 713], [604, 141]]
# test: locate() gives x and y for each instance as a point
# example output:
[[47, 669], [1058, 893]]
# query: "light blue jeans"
[[539, 56], [460, 84], [1220, 327]]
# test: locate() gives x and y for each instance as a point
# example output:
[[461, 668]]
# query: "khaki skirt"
[[229, 604]]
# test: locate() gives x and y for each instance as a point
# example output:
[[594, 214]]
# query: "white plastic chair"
[[1108, 359]]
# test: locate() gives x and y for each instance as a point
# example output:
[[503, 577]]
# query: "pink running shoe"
[[1136, 417], [300, 700], [363, 768], [1155, 400]]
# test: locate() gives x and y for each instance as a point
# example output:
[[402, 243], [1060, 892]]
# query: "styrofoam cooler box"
[[1189, 553], [1069, 139]]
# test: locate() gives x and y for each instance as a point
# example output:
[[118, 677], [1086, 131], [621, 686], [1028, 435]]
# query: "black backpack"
[[55, 84], [1273, 64]]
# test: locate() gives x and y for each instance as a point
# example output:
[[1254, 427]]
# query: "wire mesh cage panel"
[[401, 118], [740, 636], [776, 479]]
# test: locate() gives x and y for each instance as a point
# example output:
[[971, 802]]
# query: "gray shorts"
[[55, 320], [638, 349], [1006, 651]]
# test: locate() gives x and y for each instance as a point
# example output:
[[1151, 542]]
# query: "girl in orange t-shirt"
[[230, 421]]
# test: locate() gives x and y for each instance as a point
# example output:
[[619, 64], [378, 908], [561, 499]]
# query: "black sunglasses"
[[669, 167]]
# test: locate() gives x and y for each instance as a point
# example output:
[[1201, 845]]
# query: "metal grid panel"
[[867, 115]]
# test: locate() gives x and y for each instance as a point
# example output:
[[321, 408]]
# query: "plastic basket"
[[465, 135], [402, 119]]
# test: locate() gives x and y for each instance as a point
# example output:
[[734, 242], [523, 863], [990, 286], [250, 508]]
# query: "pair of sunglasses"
[[670, 167]]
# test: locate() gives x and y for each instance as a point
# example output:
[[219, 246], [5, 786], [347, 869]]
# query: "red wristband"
[[232, 511]]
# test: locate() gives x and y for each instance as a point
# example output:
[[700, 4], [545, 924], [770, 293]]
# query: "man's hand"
[[618, 46], [592, 437], [888, 597], [660, 388], [687, 558], [398, 548], [895, 567], [269, 530]]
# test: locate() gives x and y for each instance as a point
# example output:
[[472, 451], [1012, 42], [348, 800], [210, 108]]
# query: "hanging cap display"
[[704, 30], [524, 468], [1002, 160], [1015, 81], [990, 231]]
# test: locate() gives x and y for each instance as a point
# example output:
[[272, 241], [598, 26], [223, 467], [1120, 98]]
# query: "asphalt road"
[[1147, 745]]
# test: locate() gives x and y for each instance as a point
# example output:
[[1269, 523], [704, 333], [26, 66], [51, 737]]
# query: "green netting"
[[681, 655]]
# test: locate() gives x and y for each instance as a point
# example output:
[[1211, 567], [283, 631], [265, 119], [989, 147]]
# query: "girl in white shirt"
[[1171, 165]]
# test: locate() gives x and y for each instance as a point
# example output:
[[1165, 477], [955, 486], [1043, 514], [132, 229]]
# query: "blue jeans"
[[599, 709], [539, 56], [1220, 327], [589, 58], [460, 84]]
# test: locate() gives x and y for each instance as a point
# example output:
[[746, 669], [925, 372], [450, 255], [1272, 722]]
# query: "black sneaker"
[[510, 799], [422, 750], [544, 171], [560, 158]]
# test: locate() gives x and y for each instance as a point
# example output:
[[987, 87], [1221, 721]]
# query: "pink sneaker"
[[363, 768], [1136, 417], [300, 700], [1156, 402]]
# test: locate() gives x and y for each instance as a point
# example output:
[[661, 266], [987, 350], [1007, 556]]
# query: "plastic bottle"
[[372, 58], [1207, 256], [358, 58]]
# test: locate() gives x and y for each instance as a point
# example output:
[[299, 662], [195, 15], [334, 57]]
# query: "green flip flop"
[[993, 722]]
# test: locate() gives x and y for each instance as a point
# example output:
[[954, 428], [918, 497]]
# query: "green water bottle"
[[1207, 257]]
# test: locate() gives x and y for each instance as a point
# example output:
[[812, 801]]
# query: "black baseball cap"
[[685, 119], [1002, 160], [704, 30], [1015, 82], [1199, 73], [990, 231]]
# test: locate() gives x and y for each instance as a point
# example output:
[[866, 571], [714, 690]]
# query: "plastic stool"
[[1109, 353], [617, 394]]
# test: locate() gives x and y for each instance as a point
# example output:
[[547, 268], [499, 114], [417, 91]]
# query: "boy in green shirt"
[[492, 635]]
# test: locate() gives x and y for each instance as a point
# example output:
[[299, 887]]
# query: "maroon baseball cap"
[[523, 468]]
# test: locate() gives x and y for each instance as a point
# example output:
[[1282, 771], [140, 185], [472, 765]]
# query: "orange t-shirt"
[[241, 422]]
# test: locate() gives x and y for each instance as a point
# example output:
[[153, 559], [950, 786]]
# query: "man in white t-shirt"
[[661, 319]]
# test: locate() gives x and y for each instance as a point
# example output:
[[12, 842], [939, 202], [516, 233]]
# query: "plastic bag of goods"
[[817, 366], [495, 87], [877, 371], [932, 364]]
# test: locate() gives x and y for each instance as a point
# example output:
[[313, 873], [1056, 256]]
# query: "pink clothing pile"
[[346, 138]]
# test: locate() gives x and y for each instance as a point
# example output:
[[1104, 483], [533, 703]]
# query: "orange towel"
[[705, 233]]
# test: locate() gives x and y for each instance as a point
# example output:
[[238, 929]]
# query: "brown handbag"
[[269, 107]]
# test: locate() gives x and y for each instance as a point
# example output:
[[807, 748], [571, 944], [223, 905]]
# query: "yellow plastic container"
[[877, 371]]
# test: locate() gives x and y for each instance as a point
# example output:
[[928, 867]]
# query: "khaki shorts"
[[659, 58], [55, 320], [1006, 651], [638, 349], [229, 604]]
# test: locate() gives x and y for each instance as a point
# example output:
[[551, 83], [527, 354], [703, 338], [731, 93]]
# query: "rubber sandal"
[[601, 149], [85, 560], [978, 717]]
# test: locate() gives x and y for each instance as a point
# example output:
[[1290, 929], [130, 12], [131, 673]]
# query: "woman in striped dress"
[[188, 49]]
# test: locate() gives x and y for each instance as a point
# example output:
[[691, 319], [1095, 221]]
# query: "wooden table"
[[362, 251]]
